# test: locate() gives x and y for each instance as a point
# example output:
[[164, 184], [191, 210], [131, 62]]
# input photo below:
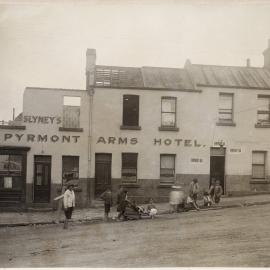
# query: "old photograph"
[[134, 134]]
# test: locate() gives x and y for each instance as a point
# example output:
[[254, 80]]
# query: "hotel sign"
[[155, 141]]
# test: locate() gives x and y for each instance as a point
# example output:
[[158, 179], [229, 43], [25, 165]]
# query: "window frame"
[[262, 122], [125, 122], [66, 126], [230, 111], [164, 112], [123, 178], [64, 180], [164, 178], [258, 165]]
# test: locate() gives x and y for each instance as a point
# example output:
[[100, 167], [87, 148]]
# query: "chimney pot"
[[248, 62]]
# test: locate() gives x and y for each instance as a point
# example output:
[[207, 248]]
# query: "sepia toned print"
[[138, 135]]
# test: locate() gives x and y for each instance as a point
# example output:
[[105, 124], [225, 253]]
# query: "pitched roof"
[[229, 76], [187, 78], [144, 77]]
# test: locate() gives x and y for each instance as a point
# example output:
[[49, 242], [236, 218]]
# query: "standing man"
[[218, 190], [106, 196], [69, 203], [194, 191]]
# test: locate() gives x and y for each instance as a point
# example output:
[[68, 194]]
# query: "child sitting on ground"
[[151, 208]]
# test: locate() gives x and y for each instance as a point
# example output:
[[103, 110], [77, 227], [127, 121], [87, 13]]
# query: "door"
[[102, 173], [42, 179], [217, 165]]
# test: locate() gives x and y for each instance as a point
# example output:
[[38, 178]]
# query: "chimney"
[[266, 55], [90, 68], [248, 62]]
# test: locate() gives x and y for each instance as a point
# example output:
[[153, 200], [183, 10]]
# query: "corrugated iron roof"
[[167, 78], [230, 76], [144, 77], [189, 78]]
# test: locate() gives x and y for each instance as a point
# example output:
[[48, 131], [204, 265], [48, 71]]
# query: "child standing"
[[69, 203], [107, 197]]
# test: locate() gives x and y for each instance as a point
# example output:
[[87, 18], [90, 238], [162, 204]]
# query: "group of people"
[[178, 200]]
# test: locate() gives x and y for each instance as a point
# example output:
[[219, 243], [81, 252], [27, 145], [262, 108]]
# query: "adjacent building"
[[144, 128]]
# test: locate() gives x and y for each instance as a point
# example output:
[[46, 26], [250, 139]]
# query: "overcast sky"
[[43, 43]]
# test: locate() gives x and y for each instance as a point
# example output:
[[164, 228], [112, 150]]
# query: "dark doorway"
[[102, 173], [217, 165], [42, 179]]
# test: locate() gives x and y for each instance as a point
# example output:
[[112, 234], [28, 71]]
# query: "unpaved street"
[[228, 237]]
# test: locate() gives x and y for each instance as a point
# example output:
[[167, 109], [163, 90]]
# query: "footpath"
[[12, 219]]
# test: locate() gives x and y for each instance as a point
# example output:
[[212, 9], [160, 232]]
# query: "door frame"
[[224, 174], [103, 153], [35, 176]]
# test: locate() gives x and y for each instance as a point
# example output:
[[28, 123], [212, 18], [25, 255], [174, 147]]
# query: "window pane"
[[4, 164], [225, 115], [70, 167], [263, 117], [258, 171], [129, 166], [263, 104], [130, 110], [168, 105], [15, 164], [225, 101], [258, 157], [167, 162], [7, 182], [168, 119]]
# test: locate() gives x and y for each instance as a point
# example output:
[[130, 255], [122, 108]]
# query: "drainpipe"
[[90, 84]]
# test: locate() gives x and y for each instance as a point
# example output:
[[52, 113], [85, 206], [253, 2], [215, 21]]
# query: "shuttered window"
[[71, 112]]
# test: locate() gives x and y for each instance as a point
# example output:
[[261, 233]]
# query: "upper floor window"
[[129, 167], [263, 113], [258, 164], [130, 111], [167, 167], [168, 111], [71, 112], [225, 111]]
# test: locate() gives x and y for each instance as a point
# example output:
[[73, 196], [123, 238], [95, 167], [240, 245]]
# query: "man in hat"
[[69, 203], [106, 196], [193, 192]]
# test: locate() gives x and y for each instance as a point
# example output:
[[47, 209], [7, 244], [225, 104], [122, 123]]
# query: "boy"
[[217, 192], [106, 196], [69, 203]]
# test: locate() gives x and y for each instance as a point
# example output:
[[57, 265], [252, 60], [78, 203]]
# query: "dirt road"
[[228, 237]]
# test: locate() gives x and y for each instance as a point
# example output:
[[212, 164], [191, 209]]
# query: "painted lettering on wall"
[[42, 119], [115, 140], [196, 160], [41, 138], [235, 150], [177, 142]]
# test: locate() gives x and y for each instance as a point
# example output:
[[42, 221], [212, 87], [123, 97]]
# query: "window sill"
[[258, 181], [168, 128], [130, 127], [12, 127], [229, 124], [71, 129], [262, 125]]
